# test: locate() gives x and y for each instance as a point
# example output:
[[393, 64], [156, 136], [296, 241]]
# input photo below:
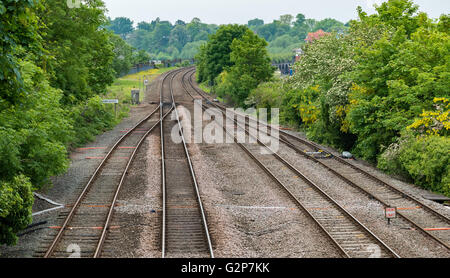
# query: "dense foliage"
[[235, 61], [161, 39], [16, 200], [18, 27], [289, 33], [54, 63], [250, 67], [380, 89], [214, 57], [164, 40]]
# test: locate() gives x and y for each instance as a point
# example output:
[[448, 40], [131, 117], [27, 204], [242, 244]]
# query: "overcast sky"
[[240, 11]]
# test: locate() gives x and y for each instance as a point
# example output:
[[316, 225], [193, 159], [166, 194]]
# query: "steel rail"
[[163, 171], [314, 146], [308, 181], [191, 169], [56, 240], [116, 194], [69, 217], [366, 192], [280, 183], [376, 179], [339, 159]]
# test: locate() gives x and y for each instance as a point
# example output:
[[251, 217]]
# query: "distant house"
[[315, 36], [298, 52]]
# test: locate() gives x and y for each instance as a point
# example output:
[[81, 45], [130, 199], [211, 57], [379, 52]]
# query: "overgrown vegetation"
[[380, 89], [55, 63]]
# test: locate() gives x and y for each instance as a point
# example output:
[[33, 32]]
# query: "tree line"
[[164, 40], [55, 63]]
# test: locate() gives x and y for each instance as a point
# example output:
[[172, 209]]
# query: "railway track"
[[421, 216], [184, 227], [86, 223], [350, 236]]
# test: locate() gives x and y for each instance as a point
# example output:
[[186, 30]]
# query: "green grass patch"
[[205, 87], [121, 89]]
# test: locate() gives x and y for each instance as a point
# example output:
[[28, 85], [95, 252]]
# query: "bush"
[[16, 200], [423, 160], [90, 119]]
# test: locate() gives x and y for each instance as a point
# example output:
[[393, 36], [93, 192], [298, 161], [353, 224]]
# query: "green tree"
[[396, 79], [33, 137], [251, 66], [329, 25], [81, 51], [122, 26], [191, 49], [145, 26], [18, 28], [299, 20], [140, 56], [178, 37], [286, 19], [255, 23], [26, 104], [215, 56], [123, 60]]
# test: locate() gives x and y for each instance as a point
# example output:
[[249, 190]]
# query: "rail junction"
[[184, 226]]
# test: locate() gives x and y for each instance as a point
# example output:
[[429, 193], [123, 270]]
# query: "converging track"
[[351, 237], [85, 226], [422, 217], [184, 227]]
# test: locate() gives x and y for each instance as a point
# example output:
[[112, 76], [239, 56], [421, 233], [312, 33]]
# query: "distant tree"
[[121, 26], [272, 30], [179, 36], [144, 26], [310, 23], [196, 20], [180, 22], [161, 35], [286, 19], [300, 19], [255, 22], [191, 49], [123, 60], [173, 52], [194, 28], [140, 57], [329, 25]]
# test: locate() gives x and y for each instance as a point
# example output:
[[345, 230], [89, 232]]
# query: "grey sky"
[[240, 11]]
